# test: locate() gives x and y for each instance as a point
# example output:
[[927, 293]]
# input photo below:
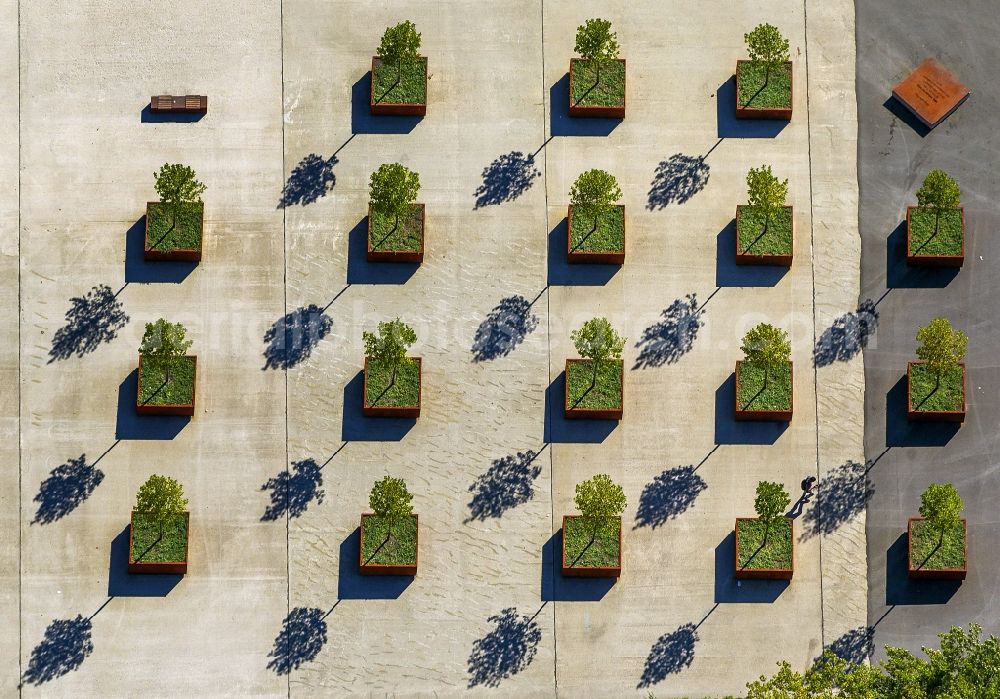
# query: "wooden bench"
[[178, 103]]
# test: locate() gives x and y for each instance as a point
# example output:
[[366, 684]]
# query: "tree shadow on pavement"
[[507, 483], [671, 653], [856, 646], [504, 328], [506, 178], [302, 637], [505, 651], [673, 336], [842, 494], [847, 336], [309, 181], [91, 321], [668, 496], [65, 489], [292, 339], [293, 490], [676, 180], [66, 644]]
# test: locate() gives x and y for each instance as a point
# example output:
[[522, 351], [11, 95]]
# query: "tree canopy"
[[942, 347], [160, 497], [596, 42], [393, 188], [400, 43], [390, 499], [600, 502]]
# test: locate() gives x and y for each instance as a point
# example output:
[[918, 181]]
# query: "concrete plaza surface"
[[893, 38], [278, 461]]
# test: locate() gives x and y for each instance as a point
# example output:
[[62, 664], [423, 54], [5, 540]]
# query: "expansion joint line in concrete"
[[812, 271], [284, 313], [20, 470], [548, 353]]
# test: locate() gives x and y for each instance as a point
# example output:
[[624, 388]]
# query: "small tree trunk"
[[593, 378], [395, 368], [598, 81], [767, 75], [767, 530], [766, 376], [937, 220]]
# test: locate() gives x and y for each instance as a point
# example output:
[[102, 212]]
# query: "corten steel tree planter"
[[916, 259], [381, 568], [575, 413], [169, 408], [773, 113], [592, 257], [411, 411], [919, 573], [151, 254], [411, 256], [597, 110], [765, 415], [749, 258], [763, 573], [397, 108], [581, 571], [159, 567], [915, 415]]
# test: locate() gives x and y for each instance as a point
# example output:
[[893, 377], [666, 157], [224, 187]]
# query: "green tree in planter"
[[391, 501], [939, 192], [597, 341], [766, 194], [388, 348], [600, 502], [163, 343], [392, 189], [597, 44], [399, 44], [594, 193], [160, 497], [766, 46], [943, 347], [942, 506], [177, 185], [771, 502], [767, 347]]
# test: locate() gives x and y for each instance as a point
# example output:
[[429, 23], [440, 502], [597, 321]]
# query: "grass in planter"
[[603, 394], [948, 239], [926, 553], [608, 236], [403, 392], [407, 236], [154, 388], [777, 240], [609, 92], [149, 547], [399, 549], [946, 396], [754, 554], [408, 86], [580, 551], [752, 393], [184, 234], [777, 94]]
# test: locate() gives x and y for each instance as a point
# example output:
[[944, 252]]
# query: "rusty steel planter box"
[[397, 108], [587, 257], [764, 415], [594, 413], [596, 110], [774, 113], [749, 258], [917, 260], [381, 568], [762, 573], [394, 410], [934, 573], [178, 254], [935, 415], [159, 567], [398, 255], [170, 408], [590, 571]]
